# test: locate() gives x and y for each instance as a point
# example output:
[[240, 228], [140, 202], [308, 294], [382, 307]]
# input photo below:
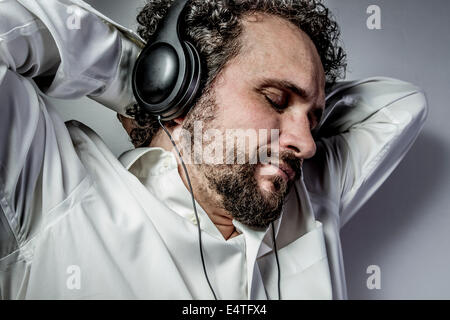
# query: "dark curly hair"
[[214, 27]]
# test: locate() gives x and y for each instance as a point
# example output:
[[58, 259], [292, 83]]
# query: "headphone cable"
[[278, 263], [193, 202], [198, 222]]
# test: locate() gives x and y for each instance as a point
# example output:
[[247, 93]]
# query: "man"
[[78, 223]]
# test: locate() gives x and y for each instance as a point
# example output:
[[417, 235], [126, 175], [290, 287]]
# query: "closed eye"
[[277, 106], [314, 117]]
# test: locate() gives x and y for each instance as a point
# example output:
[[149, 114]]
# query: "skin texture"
[[275, 53]]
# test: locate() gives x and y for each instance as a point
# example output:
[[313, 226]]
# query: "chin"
[[266, 186], [273, 187]]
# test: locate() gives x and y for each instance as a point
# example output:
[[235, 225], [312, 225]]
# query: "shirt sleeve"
[[83, 53], [368, 127], [66, 50]]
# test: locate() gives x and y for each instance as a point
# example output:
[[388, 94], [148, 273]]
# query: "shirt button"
[[166, 164], [193, 219]]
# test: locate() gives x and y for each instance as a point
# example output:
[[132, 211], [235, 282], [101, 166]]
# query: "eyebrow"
[[285, 84], [288, 85]]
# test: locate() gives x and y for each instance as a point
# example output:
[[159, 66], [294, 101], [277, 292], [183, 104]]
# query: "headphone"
[[166, 80], [166, 75]]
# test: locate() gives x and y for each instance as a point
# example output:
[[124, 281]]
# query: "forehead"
[[272, 47]]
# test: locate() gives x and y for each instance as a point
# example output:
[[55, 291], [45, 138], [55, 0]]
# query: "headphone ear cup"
[[157, 73], [191, 85], [155, 76], [193, 79]]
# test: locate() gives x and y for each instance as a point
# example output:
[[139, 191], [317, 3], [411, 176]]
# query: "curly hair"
[[214, 27]]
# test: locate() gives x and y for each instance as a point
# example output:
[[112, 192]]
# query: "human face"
[[279, 63], [276, 82]]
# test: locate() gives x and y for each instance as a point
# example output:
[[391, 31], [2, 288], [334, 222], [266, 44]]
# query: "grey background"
[[405, 227]]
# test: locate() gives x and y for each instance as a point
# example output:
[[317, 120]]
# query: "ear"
[[179, 120], [176, 129]]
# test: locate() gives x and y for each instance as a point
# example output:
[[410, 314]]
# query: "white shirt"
[[244, 266], [75, 223]]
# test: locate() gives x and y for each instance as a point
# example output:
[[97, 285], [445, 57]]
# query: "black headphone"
[[166, 75]]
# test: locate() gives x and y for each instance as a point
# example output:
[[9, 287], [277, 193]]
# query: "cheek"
[[246, 113]]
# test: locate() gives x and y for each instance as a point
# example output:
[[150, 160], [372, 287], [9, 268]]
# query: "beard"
[[236, 184], [241, 195]]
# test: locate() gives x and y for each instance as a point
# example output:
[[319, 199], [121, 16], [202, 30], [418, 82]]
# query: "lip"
[[284, 170], [287, 171]]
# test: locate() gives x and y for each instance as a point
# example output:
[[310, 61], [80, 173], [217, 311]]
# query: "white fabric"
[[231, 264], [69, 208]]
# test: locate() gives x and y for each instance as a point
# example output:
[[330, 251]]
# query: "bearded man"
[[76, 222]]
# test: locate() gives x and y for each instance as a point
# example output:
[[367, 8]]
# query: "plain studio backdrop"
[[404, 229]]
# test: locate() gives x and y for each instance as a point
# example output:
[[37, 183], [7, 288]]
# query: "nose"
[[295, 135]]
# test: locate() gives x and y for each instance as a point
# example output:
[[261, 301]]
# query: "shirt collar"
[[157, 170]]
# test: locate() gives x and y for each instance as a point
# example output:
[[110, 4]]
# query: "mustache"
[[295, 163], [287, 157]]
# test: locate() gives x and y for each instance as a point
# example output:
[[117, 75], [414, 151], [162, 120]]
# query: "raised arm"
[[41, 47], [368, 128]]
